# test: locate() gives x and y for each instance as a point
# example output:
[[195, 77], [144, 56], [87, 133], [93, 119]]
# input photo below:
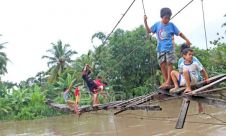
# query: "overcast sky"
[[29, 26]]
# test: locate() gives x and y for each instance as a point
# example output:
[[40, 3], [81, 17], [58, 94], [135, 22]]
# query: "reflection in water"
[[132, 123]]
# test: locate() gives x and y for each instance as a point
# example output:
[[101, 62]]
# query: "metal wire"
[[204, 24], [118, 22]]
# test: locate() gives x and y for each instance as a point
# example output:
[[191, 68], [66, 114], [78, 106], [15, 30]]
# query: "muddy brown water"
[[129, 123]]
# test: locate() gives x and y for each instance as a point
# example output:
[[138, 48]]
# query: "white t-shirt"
[[194, 68], [194, 59]]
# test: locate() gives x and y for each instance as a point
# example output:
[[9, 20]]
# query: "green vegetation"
[[3, 60], [127, 62]]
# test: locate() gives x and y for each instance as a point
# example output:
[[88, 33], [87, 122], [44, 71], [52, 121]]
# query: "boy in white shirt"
[[188, 72]]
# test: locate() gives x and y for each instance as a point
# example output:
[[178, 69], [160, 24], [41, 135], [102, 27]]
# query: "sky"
[[30, 26]]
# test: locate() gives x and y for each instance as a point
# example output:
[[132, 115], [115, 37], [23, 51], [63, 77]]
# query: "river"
[[128, 123]]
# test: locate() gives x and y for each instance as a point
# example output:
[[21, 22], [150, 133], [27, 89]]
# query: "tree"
[[128, 61], [224, 24], [3, 60], [59, 59]]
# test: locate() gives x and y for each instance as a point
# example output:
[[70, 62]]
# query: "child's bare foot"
[[188, 91], [96, 105], [164, 86], [173, 90], [167, 85]]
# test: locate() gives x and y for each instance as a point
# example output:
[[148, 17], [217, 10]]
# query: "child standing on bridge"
[[165, 31], [93, 85], [72, 104], [77, 99]]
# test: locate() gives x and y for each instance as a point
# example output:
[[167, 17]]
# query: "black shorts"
[[90, 83]]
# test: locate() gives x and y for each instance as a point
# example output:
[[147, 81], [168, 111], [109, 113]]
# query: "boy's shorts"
[[169, 57], [90, 83], [182, 81]]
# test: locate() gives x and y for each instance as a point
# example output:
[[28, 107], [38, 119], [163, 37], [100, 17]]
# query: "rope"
[[118, 22], [182, 9], [146, 37], [143, 7], [204, 24], [134, 49], [144, 13]]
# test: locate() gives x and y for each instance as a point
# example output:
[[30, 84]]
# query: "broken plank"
[[145, 99], [209, 85], [183, 113], [201, 83], [145, 107], [166, 92], [124, 103], [135, 107], [60, 107], [99, 107], [212, 91]]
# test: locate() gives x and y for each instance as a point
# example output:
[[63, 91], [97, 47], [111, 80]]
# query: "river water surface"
[[128, 123]]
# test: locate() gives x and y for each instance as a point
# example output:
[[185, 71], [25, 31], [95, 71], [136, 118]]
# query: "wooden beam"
[[202, 83], [145, 99], [84, 108], [60, 107], [209, 85], [167, 93], [211, 91], [99, 107], [124, 103], [183, 113], [108, 105], [145, 107], [134, 107]]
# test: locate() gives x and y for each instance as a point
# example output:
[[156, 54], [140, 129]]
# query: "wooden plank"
[[99, 107], [141, 101], [124, 103], [84, 108], [108, 105], [182, 114], [201, 83], [209, 85], [135, 107], [147, 98], [166, 92], [145, 107], [211, 91], [60, 107]]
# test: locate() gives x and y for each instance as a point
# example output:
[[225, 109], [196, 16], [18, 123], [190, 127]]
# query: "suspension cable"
[[204, 24], [151, 35], [182, 9], [118, 22], [143, 7]]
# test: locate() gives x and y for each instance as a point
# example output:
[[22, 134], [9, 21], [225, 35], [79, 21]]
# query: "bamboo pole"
[[201, 83], [209, 85]]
